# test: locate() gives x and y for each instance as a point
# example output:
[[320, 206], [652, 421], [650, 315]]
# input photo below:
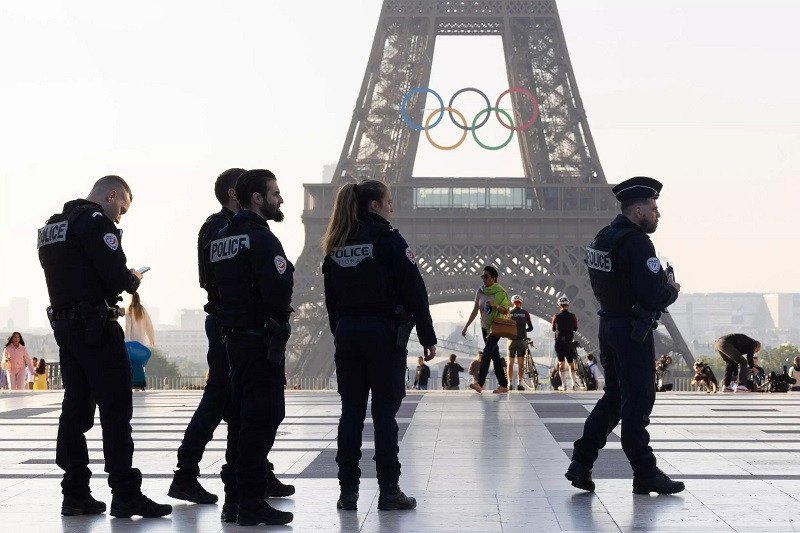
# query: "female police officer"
[[374, 294]]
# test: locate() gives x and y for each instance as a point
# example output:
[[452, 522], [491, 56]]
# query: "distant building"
[[193, 320], [192, 345]]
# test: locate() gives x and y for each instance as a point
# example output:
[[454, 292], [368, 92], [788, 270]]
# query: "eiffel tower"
[[533, 229]]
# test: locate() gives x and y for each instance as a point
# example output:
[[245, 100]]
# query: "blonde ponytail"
[[352, 201]]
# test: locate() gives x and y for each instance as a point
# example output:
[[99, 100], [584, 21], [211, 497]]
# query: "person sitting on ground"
[[737, 350], [757, 375], [450, 378]]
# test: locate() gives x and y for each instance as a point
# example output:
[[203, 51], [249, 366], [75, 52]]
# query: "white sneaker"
[[741, 388], [726, 389], [561, 388]]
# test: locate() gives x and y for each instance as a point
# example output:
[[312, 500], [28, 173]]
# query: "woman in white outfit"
[[138, 326]]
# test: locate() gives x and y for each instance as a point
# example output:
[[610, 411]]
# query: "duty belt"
[[72, 313]]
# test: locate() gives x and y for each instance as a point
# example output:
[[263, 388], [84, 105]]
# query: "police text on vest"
[[598, 260], [56, 232], [228, 247]]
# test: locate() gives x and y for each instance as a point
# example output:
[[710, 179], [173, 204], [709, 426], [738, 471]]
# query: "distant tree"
[[774, 358], [160, 366]]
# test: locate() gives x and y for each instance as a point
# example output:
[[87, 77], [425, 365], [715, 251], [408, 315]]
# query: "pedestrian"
[[29, 375], [632, 289], [40, 379], [422, 375], [491, 301], [594, 378], [138, 326], [374, 293], [794, 373], [475, 367], [518, 345], [254, 283], [737, 350], [85, 269], [450, 377], [17, 361], [565, 324]]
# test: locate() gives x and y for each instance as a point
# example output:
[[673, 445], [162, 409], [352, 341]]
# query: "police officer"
[[565, 324], [374, 294], [517, 346], [254, 282], [632, 289], [85, 269]]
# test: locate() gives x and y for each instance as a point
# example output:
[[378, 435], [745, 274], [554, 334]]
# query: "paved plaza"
[[490, 463]]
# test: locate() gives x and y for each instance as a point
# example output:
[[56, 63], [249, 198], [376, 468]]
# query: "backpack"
[[555, 378], [591, 383]]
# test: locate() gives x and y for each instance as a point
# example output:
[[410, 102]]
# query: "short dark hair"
[[452, 358], [251, 182], [628, 205], [491, 270], [590, 356], [113, 182], [226, 181]]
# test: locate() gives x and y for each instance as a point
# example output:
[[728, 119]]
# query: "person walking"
[[517, 346], [450, 378], [737, 350], [491, 301], [374, 294], [85, 270], [423, 374], [254, 282], [17, 361], [475, 367], [632, 289]]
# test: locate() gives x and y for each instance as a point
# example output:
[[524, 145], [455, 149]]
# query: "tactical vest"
[[565, 326], [608, 274], [66, 267], [359, 277], [520, 316], [229, 258]]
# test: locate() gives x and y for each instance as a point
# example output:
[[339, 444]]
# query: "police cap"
[[637, 187]]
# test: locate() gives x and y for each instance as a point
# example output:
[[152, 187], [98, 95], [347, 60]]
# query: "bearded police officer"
[[85, 269], [254, 283], [632, 289]]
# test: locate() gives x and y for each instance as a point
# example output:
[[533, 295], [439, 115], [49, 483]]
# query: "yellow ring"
[[463, 136]]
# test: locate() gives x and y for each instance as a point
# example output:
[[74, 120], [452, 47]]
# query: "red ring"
[[527, 93]]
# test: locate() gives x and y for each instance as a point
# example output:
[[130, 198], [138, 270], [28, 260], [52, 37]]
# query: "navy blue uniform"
[[624, 271], [211, 409], [365, 281], [86, 271], [254, 281]]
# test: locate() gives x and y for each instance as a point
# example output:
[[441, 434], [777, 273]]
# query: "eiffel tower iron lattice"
[[533, 229]]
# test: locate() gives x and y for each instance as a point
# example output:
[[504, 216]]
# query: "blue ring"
[[412, 92]]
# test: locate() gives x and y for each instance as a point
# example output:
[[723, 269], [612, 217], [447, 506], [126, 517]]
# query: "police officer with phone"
[[632, 290], [85, 269]]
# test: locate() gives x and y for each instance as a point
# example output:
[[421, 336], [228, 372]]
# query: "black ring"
[[488, 107]]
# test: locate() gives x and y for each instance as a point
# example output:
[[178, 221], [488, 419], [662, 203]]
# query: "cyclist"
[[516, 346], [565, 324]]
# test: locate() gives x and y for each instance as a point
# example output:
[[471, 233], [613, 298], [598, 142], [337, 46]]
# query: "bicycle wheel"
[[529, 375], [580, 370]]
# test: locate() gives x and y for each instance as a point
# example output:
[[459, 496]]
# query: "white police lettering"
[[598, 260], [111, 241], [654, 265], [56, 232], [280, 264], [350, 256], [228, 247]]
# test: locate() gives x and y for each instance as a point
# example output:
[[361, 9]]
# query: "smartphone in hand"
[[142, 270]]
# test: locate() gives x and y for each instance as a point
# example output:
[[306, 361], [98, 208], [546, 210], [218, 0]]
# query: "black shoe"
[[186, 487], [348, 498], [520, 387], [262, 513], [580, 476], [72, 506], [393, 499], [139, 505], [276, 489], [230, 510], [659, 483]]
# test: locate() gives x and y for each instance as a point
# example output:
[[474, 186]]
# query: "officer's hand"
[[430, 352], [676, 285], [133, 271]]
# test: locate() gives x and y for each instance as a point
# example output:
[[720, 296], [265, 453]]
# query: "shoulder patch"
[[111, 241], [411, 256], [654, 265], [280, 264]]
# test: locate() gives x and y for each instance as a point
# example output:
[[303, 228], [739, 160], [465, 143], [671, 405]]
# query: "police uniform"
[[624, 272], [85, 269], [254, 282], [517, 345], [565, 324], [365, 281]]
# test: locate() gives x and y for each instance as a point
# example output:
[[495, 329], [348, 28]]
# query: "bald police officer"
[[85, 269], [632, 289]]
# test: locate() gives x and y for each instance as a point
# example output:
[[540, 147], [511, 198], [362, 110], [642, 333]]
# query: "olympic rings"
[[463, 136], [475, 125]]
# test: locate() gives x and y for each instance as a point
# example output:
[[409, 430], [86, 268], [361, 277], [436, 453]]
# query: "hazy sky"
[[700, 94]]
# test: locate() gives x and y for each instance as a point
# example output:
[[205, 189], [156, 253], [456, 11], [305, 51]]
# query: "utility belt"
[[74, 313], [93, 318], [274, 334]]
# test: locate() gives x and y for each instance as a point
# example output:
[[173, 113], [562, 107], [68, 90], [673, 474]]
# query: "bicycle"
[[529, 373], [580, 369]]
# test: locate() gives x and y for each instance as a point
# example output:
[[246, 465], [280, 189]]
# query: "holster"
[[403, 326], [642, 323], [93, 318], [278, 334]]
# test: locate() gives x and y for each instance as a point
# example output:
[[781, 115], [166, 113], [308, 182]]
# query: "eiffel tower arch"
[[533, 229]]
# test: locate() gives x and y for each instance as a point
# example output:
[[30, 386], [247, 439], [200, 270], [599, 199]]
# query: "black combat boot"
[[260, 512], [348, 498], [393, 499], [580, 476], [230, 509], [76, 506], [276, 489], [659, 482], [186, 487], [139, 505]]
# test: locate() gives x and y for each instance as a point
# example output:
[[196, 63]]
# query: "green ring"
[[475, 135]]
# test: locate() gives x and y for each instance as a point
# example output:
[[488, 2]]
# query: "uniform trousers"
[[95, 376], [491, 354], [733, 358], [257, 408], [368, 359], [630, 392]]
